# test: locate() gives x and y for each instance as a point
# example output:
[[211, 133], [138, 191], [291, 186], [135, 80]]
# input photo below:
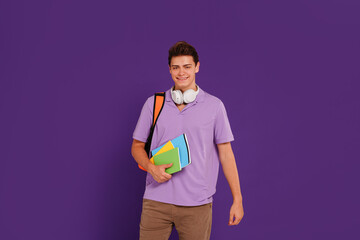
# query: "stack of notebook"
[[175, 151]]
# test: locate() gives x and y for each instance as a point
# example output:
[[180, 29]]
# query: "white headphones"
[[187, 97]]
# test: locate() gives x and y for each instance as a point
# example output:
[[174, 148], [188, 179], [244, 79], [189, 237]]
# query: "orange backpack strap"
[[158, 106], [159, 100]]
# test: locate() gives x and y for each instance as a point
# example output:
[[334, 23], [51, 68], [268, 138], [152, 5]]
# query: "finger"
[[237, 220], [167, 176], [240, 217], [164, 179]]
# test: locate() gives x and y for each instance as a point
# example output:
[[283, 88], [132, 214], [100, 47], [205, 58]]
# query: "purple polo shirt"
[[205, 124]]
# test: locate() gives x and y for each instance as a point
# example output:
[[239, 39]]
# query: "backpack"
[[159, 100]]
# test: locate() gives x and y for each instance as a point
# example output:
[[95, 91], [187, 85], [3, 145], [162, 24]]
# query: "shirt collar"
[[199, 96]]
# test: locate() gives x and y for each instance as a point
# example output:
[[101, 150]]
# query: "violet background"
[[75, 74]]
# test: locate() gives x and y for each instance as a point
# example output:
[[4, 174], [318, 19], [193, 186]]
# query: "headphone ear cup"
[[189, 96], [177, 96]]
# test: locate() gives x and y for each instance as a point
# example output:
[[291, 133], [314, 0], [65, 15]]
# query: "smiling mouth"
[[182, 79]]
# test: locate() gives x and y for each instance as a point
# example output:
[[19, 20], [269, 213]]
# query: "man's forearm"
[[140, 156], [232, 176], [228, 163]]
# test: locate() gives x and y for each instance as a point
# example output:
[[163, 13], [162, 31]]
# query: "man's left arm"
[[228, 164]]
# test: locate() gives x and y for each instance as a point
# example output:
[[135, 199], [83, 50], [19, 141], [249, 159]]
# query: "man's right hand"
[[158, 172]]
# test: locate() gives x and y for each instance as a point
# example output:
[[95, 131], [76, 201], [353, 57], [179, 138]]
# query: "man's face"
[[182, 70]]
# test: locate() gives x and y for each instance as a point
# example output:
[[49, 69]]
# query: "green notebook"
[[171, 156]]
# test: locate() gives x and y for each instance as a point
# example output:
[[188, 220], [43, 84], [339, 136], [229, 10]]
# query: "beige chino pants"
[[191, 223]]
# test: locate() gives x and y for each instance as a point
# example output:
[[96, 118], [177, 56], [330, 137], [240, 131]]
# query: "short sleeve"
[[144, 122], [222, 129]]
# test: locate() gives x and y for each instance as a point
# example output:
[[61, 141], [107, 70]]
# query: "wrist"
[[238, 201], [151, 168]]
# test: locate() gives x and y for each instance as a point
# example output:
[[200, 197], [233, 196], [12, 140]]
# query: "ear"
[[197, 67]]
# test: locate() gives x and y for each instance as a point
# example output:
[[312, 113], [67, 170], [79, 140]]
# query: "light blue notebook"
[[184, 150]]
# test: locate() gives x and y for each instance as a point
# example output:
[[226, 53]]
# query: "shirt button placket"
[[181, 122]]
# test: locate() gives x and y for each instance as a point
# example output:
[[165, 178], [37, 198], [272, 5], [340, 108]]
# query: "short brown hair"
[[182, 48]]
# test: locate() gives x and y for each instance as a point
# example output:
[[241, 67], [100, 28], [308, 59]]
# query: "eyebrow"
[[183, 65]]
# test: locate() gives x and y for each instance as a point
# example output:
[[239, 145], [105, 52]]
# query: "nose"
[[181, 71]]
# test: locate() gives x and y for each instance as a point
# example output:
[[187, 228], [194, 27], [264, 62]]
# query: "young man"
[[184, 199]]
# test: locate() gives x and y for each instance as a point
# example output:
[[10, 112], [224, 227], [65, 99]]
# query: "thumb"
[[231, 219], [168, 165]]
